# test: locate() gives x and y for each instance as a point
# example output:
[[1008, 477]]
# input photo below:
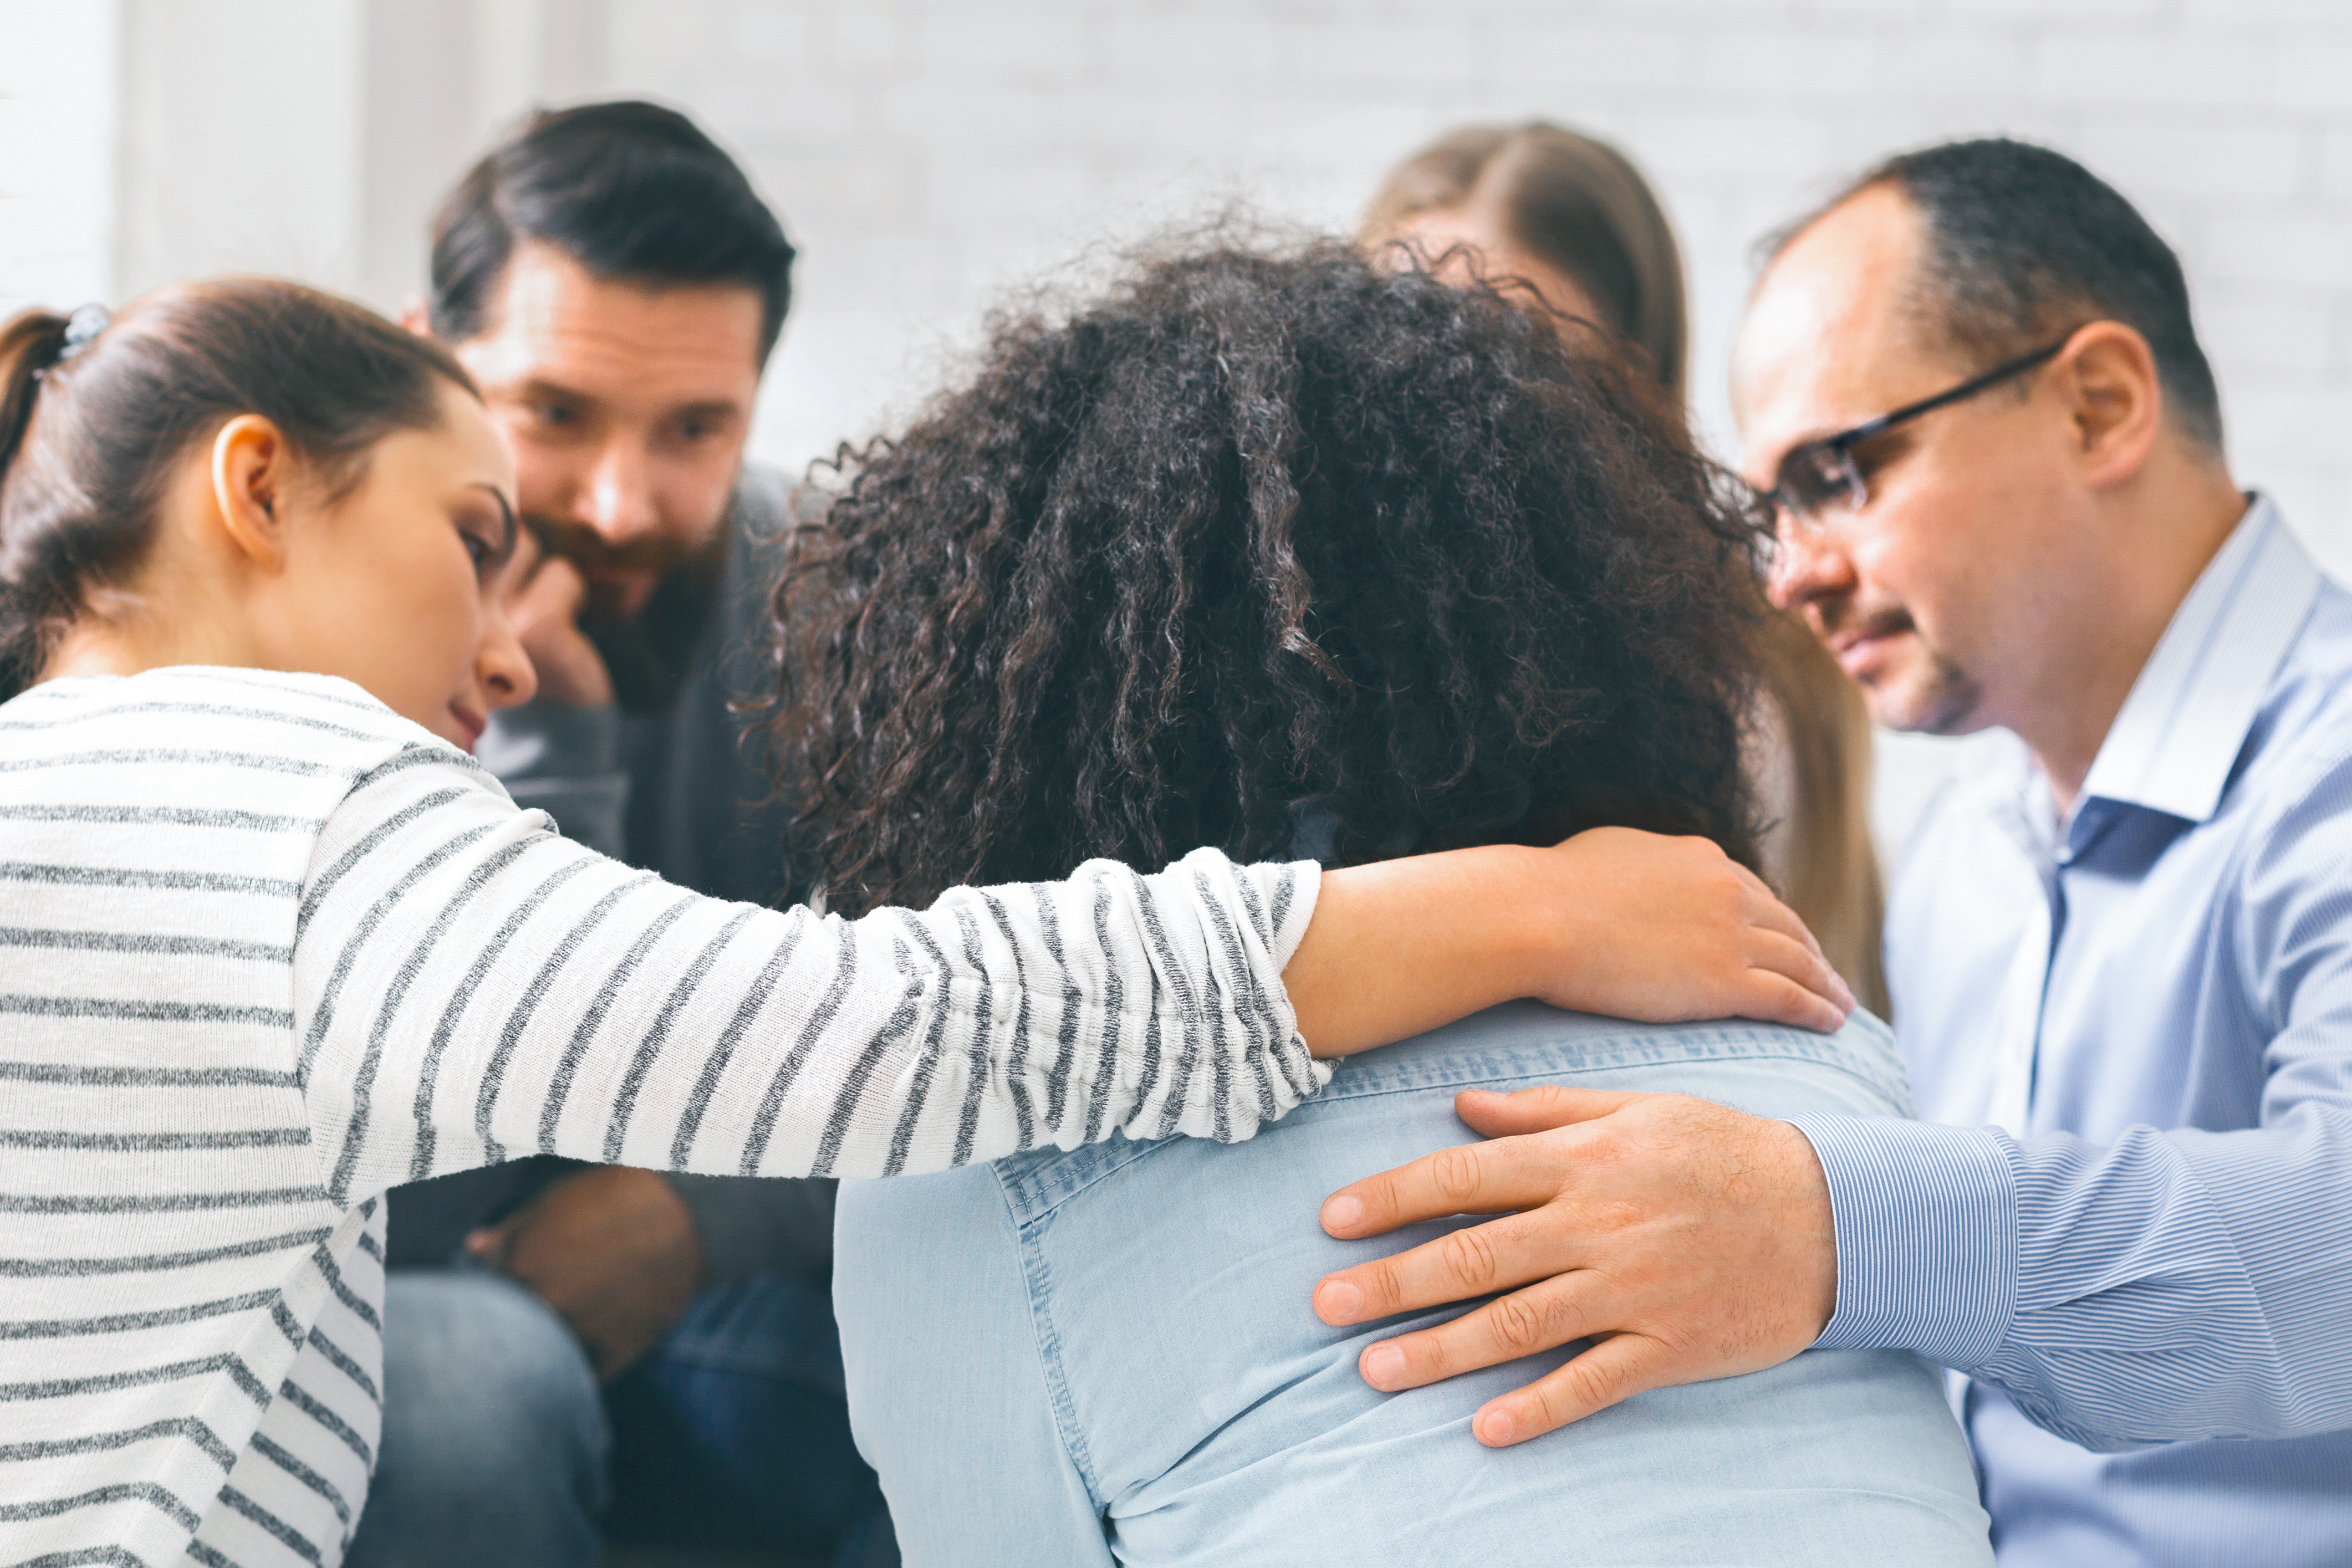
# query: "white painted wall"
[[927, 153], [57, 152], [930, 155]]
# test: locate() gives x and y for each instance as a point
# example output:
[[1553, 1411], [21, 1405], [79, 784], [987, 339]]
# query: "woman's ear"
[[252, 471]]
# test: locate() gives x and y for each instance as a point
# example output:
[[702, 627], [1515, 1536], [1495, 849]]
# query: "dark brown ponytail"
[[90, 437], [29, 344]]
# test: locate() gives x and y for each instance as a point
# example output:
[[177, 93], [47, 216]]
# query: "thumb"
[[1536, 1109]]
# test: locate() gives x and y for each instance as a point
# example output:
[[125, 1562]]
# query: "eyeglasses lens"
[[1817, 477]]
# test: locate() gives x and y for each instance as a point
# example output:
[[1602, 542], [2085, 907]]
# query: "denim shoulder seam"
[[1491, 1064], [1037, 1276]]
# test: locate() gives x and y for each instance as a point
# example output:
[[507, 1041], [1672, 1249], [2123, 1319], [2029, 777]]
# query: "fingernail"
[[1383, 1366], [1336, 1301], [1343, 1212], [1494, 1427]]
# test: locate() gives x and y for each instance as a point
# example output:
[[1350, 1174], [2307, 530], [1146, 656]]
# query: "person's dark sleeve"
[[750, 1226]]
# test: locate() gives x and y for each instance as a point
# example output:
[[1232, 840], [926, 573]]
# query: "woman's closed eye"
[[482, 526]]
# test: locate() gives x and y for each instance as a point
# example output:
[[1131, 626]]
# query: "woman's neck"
[[128, 635]]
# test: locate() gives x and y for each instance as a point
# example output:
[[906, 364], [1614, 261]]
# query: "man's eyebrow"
[[540, 387]]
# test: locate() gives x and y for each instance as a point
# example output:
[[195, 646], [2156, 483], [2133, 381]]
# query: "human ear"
[[251, 468], [2117, 397], [416, 318]]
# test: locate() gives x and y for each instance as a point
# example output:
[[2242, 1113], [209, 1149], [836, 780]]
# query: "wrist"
[[1538, 914]]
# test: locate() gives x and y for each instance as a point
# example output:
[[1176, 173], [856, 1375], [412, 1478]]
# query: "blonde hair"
[[1820, 853], [1579, 206], [1573, 203]]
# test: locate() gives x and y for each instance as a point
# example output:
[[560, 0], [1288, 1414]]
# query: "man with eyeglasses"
[[2122, 963]]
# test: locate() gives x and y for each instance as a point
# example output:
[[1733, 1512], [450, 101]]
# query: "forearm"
[[2172, 1285], [471, 989], [1404, 946]]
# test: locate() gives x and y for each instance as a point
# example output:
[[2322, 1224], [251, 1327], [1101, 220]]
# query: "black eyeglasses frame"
[[1840, 447]]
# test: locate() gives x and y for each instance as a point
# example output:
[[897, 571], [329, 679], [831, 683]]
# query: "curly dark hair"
[[1256, 531]]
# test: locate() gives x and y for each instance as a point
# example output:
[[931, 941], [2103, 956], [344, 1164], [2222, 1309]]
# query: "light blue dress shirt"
[[2137, 1240]]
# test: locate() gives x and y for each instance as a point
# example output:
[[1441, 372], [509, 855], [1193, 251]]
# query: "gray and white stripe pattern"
[[267, 950]]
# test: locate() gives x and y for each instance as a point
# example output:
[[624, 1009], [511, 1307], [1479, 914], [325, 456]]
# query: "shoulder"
[[292, 724], [319, 727], [2294, 768], [769, 504], [1766, 1068]]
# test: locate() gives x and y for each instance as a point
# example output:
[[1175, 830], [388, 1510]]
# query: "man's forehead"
[[555, 322], [1828, 341]]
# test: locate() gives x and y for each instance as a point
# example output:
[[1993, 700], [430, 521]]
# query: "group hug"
[[1253, 940]]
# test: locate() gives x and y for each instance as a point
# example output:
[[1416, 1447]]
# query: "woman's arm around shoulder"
[[471, 987]]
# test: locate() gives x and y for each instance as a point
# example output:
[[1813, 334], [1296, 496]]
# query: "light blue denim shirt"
[[2141, 1018], [1108, 1355]]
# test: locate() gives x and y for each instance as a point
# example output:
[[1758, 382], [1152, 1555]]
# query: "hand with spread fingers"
[[1683, 1239]]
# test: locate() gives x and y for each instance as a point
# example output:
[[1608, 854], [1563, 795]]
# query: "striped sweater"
[[267, 950]]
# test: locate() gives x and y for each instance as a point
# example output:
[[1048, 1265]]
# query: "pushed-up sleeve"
[[471, 987]]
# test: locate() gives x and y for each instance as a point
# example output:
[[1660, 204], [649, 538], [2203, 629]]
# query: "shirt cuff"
[[1927, 1237]]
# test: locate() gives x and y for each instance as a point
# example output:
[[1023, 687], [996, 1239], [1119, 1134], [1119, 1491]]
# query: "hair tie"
[[82, 329]]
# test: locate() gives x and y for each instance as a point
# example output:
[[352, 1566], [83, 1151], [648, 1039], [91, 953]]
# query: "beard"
[[648, 651], [1926, 692], [1938, 699]]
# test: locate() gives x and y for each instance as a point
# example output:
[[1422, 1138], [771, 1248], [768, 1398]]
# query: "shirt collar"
[[2172, 746]]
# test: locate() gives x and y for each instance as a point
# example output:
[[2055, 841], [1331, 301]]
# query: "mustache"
[[1844, 618], [593, 553]]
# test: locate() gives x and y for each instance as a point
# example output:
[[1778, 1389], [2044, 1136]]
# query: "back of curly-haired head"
[[1256, 540]]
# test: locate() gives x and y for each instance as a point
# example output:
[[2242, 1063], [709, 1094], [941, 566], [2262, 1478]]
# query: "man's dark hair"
[[633, 192], [2023, 243], [1285, 553]]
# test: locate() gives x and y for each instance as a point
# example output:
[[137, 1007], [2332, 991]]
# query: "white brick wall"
[[928, 154], [57, 152]]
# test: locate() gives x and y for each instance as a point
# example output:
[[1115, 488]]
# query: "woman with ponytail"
[[272, 942]]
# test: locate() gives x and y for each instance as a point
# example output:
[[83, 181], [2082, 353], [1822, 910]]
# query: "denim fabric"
[[495, 1440], [499, 1449], [734, 1435], [1108, 1355]]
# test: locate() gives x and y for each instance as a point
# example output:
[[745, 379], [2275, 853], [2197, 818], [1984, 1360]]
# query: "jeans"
[[1108, 1355], [499, 1448]]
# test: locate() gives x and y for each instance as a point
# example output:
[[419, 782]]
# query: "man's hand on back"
[[612, 1251], [544, 594], [1686, 1240]]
